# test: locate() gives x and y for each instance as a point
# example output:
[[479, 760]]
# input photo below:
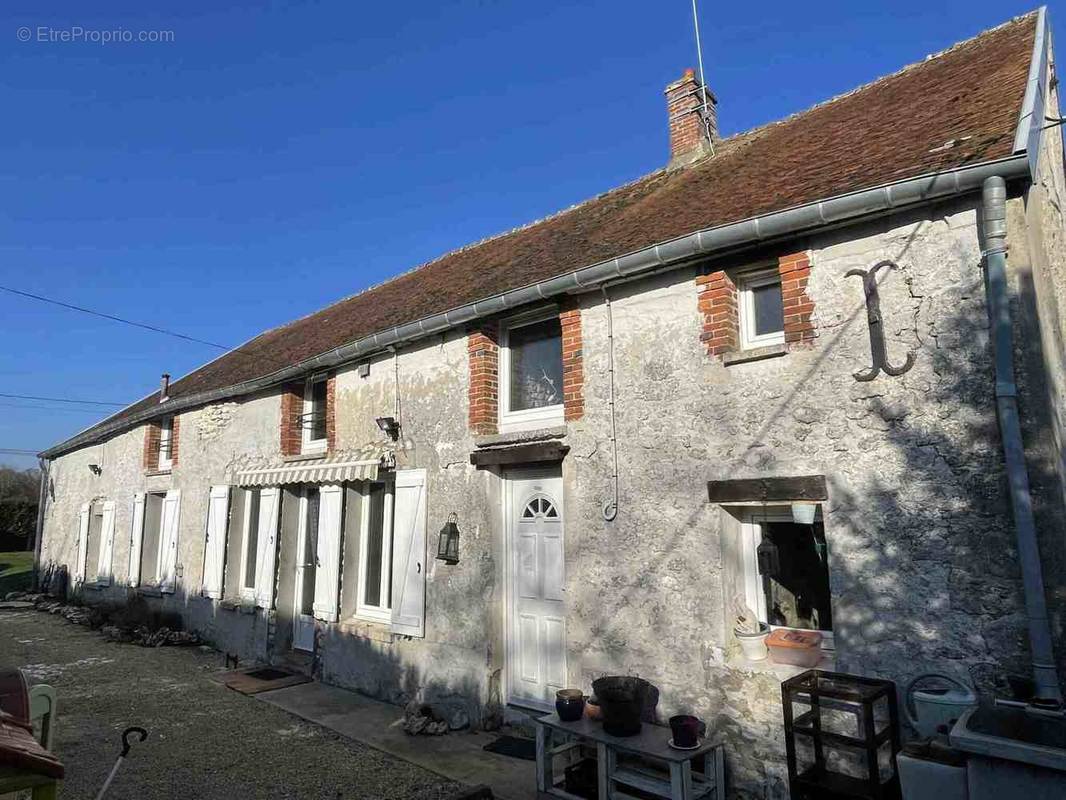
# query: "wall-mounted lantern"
[[95, 469], [448, 546], [769, 559], [389, 426]]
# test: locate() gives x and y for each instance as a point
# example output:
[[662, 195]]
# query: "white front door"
[[536, 613], [303, 618]]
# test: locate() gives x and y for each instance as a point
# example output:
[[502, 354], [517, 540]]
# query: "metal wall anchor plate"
[[878, 352]]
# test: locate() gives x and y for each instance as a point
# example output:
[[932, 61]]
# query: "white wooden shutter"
[[168, 540], [266, 546], [136, 537], [215, 544], [409, 553], [83, 542], [107, 545], [328, 557]]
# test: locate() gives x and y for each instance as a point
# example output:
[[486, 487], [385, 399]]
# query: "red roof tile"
[[883, 132]]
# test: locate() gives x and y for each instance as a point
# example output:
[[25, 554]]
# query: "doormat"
[[514, 747], [260, 679]]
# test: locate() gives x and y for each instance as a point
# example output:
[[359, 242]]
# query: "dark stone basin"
[[1019, 725]]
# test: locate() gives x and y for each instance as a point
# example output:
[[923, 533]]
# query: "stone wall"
[[921, 554], [921, 550], [1037, 270]]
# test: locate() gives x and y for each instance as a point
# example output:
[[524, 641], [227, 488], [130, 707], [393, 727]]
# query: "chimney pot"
[[164, 387], [692, 134]]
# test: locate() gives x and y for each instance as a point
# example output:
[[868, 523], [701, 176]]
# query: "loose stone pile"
[[99, 619]]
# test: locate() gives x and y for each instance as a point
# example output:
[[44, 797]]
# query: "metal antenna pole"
[[703, 81]]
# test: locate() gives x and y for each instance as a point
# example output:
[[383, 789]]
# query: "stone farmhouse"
[[613, 412]]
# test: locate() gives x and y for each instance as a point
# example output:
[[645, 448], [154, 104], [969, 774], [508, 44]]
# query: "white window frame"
[[530, 418], [309, 445], [166, 446], [248, 592], [383, 612], [751, 536], [746, 282]]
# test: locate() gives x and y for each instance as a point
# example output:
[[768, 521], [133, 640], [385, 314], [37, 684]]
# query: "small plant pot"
[[753, 645], [570, 704]]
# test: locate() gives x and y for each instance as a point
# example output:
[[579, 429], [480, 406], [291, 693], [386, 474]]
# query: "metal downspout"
[[994, 196], [42, 498]]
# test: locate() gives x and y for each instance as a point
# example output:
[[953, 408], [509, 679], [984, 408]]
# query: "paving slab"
[[457, 755]]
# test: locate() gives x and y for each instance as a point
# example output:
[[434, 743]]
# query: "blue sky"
[[274, 157]]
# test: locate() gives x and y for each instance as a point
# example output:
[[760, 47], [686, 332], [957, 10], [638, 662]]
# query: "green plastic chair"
[[43, 712]]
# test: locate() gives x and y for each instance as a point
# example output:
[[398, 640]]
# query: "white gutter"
[[675, 252]]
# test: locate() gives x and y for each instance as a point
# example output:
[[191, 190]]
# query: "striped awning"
[[328, 469]]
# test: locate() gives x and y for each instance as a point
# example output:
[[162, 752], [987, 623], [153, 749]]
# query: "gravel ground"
[[205, 741]]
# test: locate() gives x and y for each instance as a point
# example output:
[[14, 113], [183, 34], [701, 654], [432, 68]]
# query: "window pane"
[[318, 410], [536, 353], [92, 544], [374, 546], [153, 513], [251, 539], [310, 554], [797, 596], [769, 314]]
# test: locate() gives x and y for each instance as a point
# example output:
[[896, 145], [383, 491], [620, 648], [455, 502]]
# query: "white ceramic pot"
[[753, 645]]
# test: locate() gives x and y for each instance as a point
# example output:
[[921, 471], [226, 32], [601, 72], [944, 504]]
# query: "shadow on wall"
[[376, 669], [923, 562]]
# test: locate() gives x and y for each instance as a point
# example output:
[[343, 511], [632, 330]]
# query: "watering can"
[[937, 704]]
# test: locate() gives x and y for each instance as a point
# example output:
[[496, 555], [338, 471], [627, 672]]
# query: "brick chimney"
[[690, 135]]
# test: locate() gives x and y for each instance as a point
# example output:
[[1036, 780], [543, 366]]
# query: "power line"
[[7, 451], [52, 408], [61, 400], [112, 317]]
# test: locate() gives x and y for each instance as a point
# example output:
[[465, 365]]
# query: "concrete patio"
[[458, 756]]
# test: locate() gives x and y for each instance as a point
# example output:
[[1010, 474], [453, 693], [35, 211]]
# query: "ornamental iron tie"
[[878, 353]]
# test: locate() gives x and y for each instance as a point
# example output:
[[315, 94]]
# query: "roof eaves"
[[899, 194]]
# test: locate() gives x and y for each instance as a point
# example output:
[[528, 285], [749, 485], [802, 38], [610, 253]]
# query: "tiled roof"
[[888, 130]]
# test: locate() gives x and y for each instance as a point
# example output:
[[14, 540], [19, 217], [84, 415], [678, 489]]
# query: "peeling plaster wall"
[[923, 569], [215, 441], [921, 548]]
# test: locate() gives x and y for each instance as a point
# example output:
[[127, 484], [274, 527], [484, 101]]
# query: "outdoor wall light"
[[803, 513], [95, 469], [769, 558], [389, 426], [448, 546]]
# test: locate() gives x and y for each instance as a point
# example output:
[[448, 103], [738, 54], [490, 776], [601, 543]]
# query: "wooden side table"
[[676, 779]]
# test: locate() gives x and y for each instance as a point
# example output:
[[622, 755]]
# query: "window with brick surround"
[[507, 393], [754, 307], [161, 444], [531, 372]]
